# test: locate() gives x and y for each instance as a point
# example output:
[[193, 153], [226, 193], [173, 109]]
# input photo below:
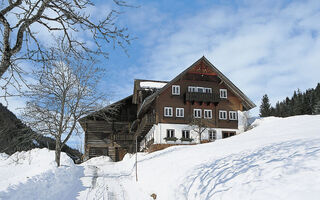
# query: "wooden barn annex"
[[160, 114]]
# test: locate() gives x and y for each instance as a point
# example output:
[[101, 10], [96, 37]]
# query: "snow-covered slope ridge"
[[278, 159]]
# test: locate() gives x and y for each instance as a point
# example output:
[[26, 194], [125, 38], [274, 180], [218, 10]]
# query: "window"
[[176, 89], [212, 135], [223, 93], [170, 133], [168, 111], [185, 134], [208, 90], [233, 115], [200, 89], [192, 89], [222, 114], [197, 113], [226, 134], [179, 112], [207, 114]]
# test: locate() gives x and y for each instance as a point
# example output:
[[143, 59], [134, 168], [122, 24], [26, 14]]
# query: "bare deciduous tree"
[[65, 91], [21, 20], [199, 125]]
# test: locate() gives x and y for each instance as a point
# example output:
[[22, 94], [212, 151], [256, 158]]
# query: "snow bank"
[[101, 160], [3, 156], [127, 156], [279, 158], [150, 84], [33, 175]]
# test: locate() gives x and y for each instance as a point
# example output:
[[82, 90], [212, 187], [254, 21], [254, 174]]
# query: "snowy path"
[[101, 185]]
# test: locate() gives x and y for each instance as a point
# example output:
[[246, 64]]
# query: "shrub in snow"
[[186, 139], [171, 139]]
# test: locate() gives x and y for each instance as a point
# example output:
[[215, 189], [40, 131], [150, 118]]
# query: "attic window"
[[176, 89], [223, 93]]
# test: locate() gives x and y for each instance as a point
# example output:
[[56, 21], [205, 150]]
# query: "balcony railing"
[[202, 97]]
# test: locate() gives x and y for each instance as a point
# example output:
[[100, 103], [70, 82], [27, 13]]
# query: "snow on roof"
[[151, 84]]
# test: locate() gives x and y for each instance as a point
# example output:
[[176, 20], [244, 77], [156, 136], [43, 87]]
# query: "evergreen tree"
[[265, 107], [317, 108]]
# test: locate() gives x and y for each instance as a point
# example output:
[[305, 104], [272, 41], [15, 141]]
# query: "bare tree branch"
[[66, 90], [19, 41]]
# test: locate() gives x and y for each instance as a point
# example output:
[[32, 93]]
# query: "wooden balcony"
[[145, 124], [202, 97], [122, 137]]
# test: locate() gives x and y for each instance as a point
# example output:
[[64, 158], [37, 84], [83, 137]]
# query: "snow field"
[[278, 159]]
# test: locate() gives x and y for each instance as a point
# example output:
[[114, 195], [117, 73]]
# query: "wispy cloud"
[[271, 47]]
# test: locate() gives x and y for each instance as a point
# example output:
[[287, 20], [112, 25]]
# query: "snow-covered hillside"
[[278, 159]]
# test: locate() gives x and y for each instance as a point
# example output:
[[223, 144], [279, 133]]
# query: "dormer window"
[[223, 93], [176, 90]]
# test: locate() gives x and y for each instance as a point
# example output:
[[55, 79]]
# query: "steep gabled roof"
[[248, 104]]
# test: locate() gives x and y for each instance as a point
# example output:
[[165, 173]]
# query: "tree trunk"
[[58, 152]]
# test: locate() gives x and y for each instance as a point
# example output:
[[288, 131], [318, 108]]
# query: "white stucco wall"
[[159, 132]]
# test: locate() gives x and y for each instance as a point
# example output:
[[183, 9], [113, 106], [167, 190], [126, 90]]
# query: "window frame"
[[204, 113], [164, 111], [231, 115], [175, 90], [223, 93], [194, 112], [181, 109], [203, 89], [185, 134], [192, 89], [214, 133], [170, 133], [209, 89], [225, 113]]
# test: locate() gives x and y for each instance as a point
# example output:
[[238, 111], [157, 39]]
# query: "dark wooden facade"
[[107, 132], [201, 74]]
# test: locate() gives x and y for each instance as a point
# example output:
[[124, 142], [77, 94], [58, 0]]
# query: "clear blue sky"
[[264, 47]]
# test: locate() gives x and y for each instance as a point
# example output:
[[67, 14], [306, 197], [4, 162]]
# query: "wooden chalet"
[[159, 114]]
